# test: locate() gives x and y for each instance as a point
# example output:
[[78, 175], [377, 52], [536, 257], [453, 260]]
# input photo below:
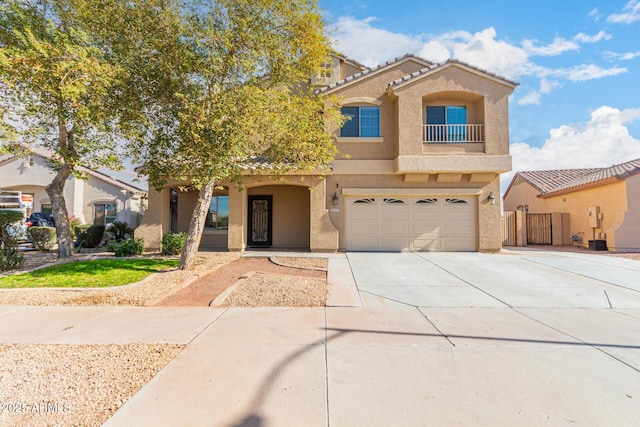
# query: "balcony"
[[452, 134]]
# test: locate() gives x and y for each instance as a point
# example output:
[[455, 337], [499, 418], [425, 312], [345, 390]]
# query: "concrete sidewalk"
[[354, 365]]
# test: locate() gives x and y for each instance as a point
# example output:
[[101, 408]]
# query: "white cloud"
[[584, 38], [359, 40], [532, 98], [547, 86], [482, 50], [630, 14], [557, 47], [603, 141], [584, 72], [434, 51], [621, 56], [595, 14]]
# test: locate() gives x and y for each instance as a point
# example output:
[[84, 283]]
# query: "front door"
[[260, 219]]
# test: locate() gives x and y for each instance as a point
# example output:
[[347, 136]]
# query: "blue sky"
[[577, 62]]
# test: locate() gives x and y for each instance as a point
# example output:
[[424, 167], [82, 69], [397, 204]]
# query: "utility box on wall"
[[594, 216]]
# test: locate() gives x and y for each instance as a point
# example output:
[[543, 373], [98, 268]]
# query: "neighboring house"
[[99, 199], [426, 144], [601, 203]]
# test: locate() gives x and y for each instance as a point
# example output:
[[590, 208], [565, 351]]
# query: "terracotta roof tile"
[[553, 181]]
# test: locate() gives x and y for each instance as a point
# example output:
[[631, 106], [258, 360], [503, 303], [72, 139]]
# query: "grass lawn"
[[89, 274]]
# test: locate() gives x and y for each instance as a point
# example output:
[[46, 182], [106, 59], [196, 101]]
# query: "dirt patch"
[[204, 290]]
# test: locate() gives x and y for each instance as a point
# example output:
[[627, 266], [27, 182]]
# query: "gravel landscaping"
[[74, 385], [270, 290]]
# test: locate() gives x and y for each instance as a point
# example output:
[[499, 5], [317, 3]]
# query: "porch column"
[[237, 219], [323, 235], [156, 219]]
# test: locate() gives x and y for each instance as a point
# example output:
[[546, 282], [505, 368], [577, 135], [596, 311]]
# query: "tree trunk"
[[188, 258], [55, 190]]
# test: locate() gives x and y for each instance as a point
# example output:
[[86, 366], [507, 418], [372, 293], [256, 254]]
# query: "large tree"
[[73, 81], [244, 96]]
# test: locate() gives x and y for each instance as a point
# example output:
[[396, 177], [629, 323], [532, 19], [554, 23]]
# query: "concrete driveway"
[[517, 279], [524, 339]]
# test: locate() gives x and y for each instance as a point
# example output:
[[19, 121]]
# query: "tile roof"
[[369, 71], [545, 181], [555, 181], [426, 70]]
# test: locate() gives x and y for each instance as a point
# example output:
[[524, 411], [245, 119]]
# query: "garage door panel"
[[365, 228], [395, 228], [418, 229], [394, 244], [365, 214], [418, 223], [391, 215], [364, 243], [460, 229], [427, 244], [420, 215], [455, 244]]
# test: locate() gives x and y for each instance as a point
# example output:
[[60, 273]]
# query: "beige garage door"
[[388, 223]]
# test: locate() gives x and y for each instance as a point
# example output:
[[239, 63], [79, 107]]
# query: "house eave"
[[610, 180]]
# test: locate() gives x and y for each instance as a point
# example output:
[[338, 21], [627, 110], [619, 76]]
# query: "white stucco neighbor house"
[[98, 199]]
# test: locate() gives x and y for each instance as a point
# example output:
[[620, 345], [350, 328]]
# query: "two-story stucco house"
[[98, 199], [418, 170]]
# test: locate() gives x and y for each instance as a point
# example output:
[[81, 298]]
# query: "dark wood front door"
[[260, 220]]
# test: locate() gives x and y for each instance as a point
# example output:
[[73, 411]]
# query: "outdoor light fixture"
[[335, 199], [491, 198]]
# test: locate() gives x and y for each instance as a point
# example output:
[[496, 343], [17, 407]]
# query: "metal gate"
[[539, 229], [509, 229]]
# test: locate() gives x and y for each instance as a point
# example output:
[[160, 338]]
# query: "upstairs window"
[[447, 123], [361, 122]]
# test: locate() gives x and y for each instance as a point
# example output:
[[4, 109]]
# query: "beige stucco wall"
[[618, 225], [80, 195], [374, 87], [395, 160], [290, 214], [487, 103], [300, 216]]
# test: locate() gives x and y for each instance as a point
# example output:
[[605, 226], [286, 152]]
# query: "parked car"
[[39, 219]]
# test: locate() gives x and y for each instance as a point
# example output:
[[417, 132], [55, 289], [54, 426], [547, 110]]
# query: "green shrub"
[[120, 230], [129, 247], [89, 236], [74, 223], [10, 258], [43, 238], [172, 243]]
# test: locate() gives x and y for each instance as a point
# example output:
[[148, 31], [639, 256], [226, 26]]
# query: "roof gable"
[[436, 68], [369, 72]]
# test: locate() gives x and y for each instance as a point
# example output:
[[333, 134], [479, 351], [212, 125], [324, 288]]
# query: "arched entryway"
[[278, 217]]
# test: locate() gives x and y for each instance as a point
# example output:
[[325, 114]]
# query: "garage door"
[[387, 223]]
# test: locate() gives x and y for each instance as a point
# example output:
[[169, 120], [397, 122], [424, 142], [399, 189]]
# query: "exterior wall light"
[[335, 199], [491, 198]]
